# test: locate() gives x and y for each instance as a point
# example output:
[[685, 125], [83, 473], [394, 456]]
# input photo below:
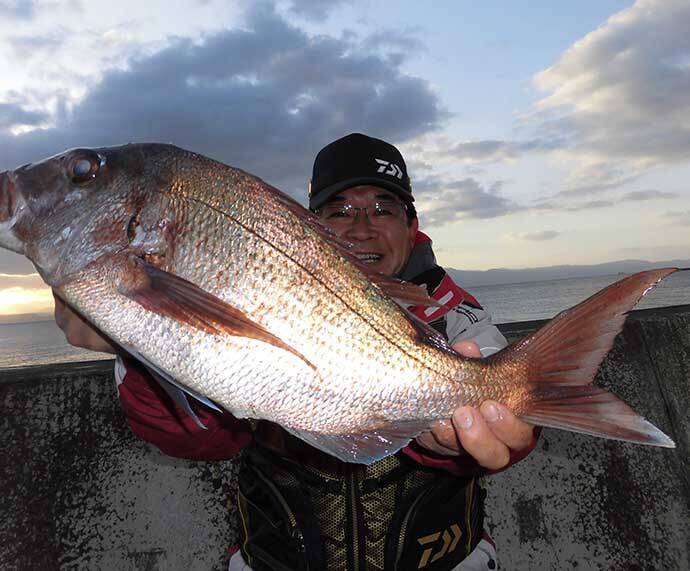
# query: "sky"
[[536, 133]]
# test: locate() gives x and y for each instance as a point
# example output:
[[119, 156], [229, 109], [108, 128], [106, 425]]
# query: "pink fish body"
[[235, 294]]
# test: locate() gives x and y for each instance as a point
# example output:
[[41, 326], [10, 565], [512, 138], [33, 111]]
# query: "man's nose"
[[361, 228]]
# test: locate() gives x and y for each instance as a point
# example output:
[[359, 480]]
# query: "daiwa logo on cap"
[[389, 168]]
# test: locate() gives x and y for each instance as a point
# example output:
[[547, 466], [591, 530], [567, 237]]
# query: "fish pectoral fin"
[[363, 448], [167, 294]]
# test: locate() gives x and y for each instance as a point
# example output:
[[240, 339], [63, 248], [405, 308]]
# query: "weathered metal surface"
[[80, 492]]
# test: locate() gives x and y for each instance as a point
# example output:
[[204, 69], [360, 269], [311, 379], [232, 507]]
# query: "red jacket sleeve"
[[464, 465], [155, 418]]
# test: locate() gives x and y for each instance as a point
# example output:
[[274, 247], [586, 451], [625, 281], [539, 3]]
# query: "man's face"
[[381, 237]]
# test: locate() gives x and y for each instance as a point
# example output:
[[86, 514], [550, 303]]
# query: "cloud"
[[13, 115], [590, 205], [615, 103], [18, 300], [12, 263], [475, 170], [634, 196], [596, 178], [620, 93], [440, 203], [25, 281], [668, 252], [315, 10], [640, 195], [681, 218], [539, 236], [494, 150], [18, 9], [396, 41], [27, 47], [264, 98], [23, 294], [27, 10]]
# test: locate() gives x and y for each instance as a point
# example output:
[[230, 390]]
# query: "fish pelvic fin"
[[560, 360], [167, 294], [364, 448], [178, 392]]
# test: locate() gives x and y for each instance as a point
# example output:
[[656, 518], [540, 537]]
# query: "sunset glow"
[[16, 300]]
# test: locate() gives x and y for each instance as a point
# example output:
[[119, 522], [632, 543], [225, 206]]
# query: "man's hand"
[[488, 434], [79, 332]]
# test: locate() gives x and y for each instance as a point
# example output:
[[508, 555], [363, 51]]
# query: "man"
[[301, 508]]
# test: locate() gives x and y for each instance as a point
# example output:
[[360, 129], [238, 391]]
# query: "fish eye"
[[85, 167]]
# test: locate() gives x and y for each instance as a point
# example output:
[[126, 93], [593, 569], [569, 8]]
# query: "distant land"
[[504, 276], [25, 318], [498, 276]]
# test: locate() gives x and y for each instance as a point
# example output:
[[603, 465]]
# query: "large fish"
[[231, 291]]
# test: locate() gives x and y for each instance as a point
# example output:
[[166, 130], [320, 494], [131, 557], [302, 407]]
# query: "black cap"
[[354, 160]]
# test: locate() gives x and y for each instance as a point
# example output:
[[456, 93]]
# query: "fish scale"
[[286, 294]]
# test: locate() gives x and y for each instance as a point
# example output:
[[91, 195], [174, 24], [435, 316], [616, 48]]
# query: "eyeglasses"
[[377, 213]]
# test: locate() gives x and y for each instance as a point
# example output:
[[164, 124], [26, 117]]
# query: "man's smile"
[[369, 257]]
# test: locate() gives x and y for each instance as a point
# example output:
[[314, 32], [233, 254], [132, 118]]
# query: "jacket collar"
[[422, 258]]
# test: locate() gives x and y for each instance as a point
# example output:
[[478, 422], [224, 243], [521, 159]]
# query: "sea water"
[[41, 342]]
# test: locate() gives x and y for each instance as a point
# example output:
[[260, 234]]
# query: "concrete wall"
[[80, 492], [585, 503]]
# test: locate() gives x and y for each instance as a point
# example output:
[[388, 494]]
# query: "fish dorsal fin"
[[167, 294], [364, 448], [428, 335], [404, 292]]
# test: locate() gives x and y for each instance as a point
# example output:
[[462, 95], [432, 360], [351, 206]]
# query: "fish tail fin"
[[561, 359]]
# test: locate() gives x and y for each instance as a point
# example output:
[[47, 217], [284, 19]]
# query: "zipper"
[[244, 518], [403, 526], [351, 482], [295, 532], [469, 498], [320, 473]]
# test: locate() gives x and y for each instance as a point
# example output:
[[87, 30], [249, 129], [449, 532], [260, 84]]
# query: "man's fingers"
[[443, 433], [488, 434], [478, 440], [468, 349], [59, 309], [510, 430], [432, 442], [58, 299], [78, 331]]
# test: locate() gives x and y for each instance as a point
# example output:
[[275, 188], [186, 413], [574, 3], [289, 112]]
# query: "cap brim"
[[323, 196]]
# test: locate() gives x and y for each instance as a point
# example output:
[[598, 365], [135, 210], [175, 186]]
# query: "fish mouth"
[[11, 207], [8, 197], [369, 257]]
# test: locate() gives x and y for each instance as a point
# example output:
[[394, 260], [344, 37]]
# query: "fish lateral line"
[[398, 287], [407, 292]]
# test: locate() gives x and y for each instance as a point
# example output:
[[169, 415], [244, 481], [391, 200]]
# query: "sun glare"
[[16, 300]]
